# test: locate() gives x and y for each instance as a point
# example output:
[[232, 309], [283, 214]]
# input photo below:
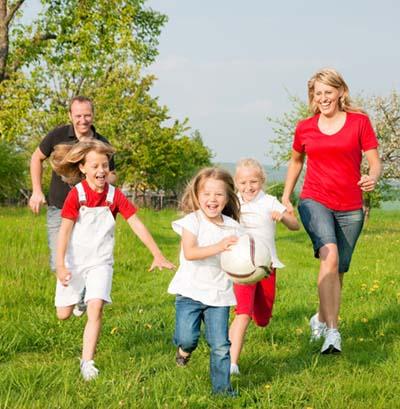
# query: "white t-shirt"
[[255, 218], [203, 280]]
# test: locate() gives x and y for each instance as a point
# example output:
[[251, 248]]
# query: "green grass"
[[280, 368]]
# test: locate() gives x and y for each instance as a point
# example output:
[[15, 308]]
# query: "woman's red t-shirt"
[[333, 161]]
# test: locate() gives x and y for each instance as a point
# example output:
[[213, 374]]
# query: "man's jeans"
[[53, 226], [189, 314]]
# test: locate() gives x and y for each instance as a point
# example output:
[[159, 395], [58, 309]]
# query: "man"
[[81, 114]]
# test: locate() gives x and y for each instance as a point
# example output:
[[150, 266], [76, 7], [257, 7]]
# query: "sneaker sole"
[[331, 350]]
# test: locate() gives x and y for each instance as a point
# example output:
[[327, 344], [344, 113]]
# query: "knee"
[[95, 309], [63, 314], [187, 342], [329, 258], [220, 347]]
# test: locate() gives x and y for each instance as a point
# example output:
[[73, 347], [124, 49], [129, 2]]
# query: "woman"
[[331, 198]]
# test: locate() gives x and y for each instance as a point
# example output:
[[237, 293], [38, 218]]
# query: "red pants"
[[256, 300]]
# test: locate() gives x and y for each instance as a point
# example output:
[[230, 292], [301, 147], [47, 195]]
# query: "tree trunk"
[[6, 16]]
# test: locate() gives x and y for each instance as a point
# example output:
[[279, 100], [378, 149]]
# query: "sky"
[[227, 65]]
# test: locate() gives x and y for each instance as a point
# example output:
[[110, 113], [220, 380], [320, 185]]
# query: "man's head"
[[81, 113]]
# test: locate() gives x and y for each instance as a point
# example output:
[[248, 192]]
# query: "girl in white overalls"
[[86, 238]]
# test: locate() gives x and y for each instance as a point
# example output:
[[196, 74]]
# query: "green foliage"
[[284, 128], [98, 48], [385, 113], [280, 368], [276, 189], [12, 171]]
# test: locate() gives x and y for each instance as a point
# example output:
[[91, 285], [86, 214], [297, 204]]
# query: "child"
[[259, 213], [203, 291], [86, 238]]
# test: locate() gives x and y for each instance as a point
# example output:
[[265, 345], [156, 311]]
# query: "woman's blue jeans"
[[189, 314]]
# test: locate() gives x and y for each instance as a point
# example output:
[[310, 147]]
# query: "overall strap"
[[110, 195], [81, 193]]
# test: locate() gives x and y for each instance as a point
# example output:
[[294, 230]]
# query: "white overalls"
[[89, 255]]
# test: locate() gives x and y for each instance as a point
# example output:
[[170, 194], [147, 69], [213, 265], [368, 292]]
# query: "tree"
[[97, 48], [12, 171], [284, 128]]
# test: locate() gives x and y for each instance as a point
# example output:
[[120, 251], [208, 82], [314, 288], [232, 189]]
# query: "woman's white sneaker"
[[317, 327], [88, 370], [332, 343]]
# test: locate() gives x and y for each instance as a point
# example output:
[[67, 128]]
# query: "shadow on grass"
[[368, 344]]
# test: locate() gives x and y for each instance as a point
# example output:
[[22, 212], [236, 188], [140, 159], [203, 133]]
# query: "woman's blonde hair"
[[66, 158], [252, 163], [190, 201], [331, 77]]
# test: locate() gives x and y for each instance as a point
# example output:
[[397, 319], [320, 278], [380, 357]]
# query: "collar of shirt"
[[71, 132], [260, 195]]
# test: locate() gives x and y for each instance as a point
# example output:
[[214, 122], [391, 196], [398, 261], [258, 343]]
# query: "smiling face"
[[212, 197], [248, 182], [81, 116], [96, 168], [326, 98]]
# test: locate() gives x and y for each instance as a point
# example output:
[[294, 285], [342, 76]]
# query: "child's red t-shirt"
[[120, 203]]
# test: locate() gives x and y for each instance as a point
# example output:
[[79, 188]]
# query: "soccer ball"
[[247, 261]]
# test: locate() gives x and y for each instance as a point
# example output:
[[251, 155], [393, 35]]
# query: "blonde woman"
[[334, 141]]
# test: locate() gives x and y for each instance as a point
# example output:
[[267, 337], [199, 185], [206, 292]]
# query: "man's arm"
[[37, 199]]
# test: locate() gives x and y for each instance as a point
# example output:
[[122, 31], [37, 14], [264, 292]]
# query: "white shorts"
[[97, 280]]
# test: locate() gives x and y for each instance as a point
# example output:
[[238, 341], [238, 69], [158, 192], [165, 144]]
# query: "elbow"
[[189, 256]]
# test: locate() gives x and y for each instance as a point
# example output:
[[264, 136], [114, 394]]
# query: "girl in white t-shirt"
[[203, 291], [259, 213]]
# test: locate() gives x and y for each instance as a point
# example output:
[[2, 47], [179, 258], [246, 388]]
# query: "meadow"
[[280, 368]]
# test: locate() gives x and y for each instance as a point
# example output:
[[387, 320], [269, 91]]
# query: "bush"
[[276, 189], [13, 171]]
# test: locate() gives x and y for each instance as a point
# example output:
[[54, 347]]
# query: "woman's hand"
[[288, 204], [367, 183]]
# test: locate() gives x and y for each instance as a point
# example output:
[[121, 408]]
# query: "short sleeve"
[[368, 136], [47, 144], [298, 145], [124, 206], [71, 206], [190, 223], [277, 206]]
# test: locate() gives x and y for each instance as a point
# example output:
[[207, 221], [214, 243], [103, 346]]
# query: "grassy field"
[[280, 368]]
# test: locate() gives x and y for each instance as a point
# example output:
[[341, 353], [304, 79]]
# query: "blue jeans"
[[189, 314], [53, 226], [325, 226]]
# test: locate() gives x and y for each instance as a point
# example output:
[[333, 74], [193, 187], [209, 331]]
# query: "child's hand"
[[161, 262], [227, 242], [276, 216], [63, 275]]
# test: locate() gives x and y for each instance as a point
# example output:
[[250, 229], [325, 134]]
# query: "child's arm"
[[147, 239], [64, 235], [193, 251], [288, 218]]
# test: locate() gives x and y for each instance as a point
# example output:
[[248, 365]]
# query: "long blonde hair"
[[331, 77], [66, 158], [190, 201]]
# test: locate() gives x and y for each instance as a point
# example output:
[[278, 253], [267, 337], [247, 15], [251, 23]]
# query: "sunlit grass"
[[280, 368]]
